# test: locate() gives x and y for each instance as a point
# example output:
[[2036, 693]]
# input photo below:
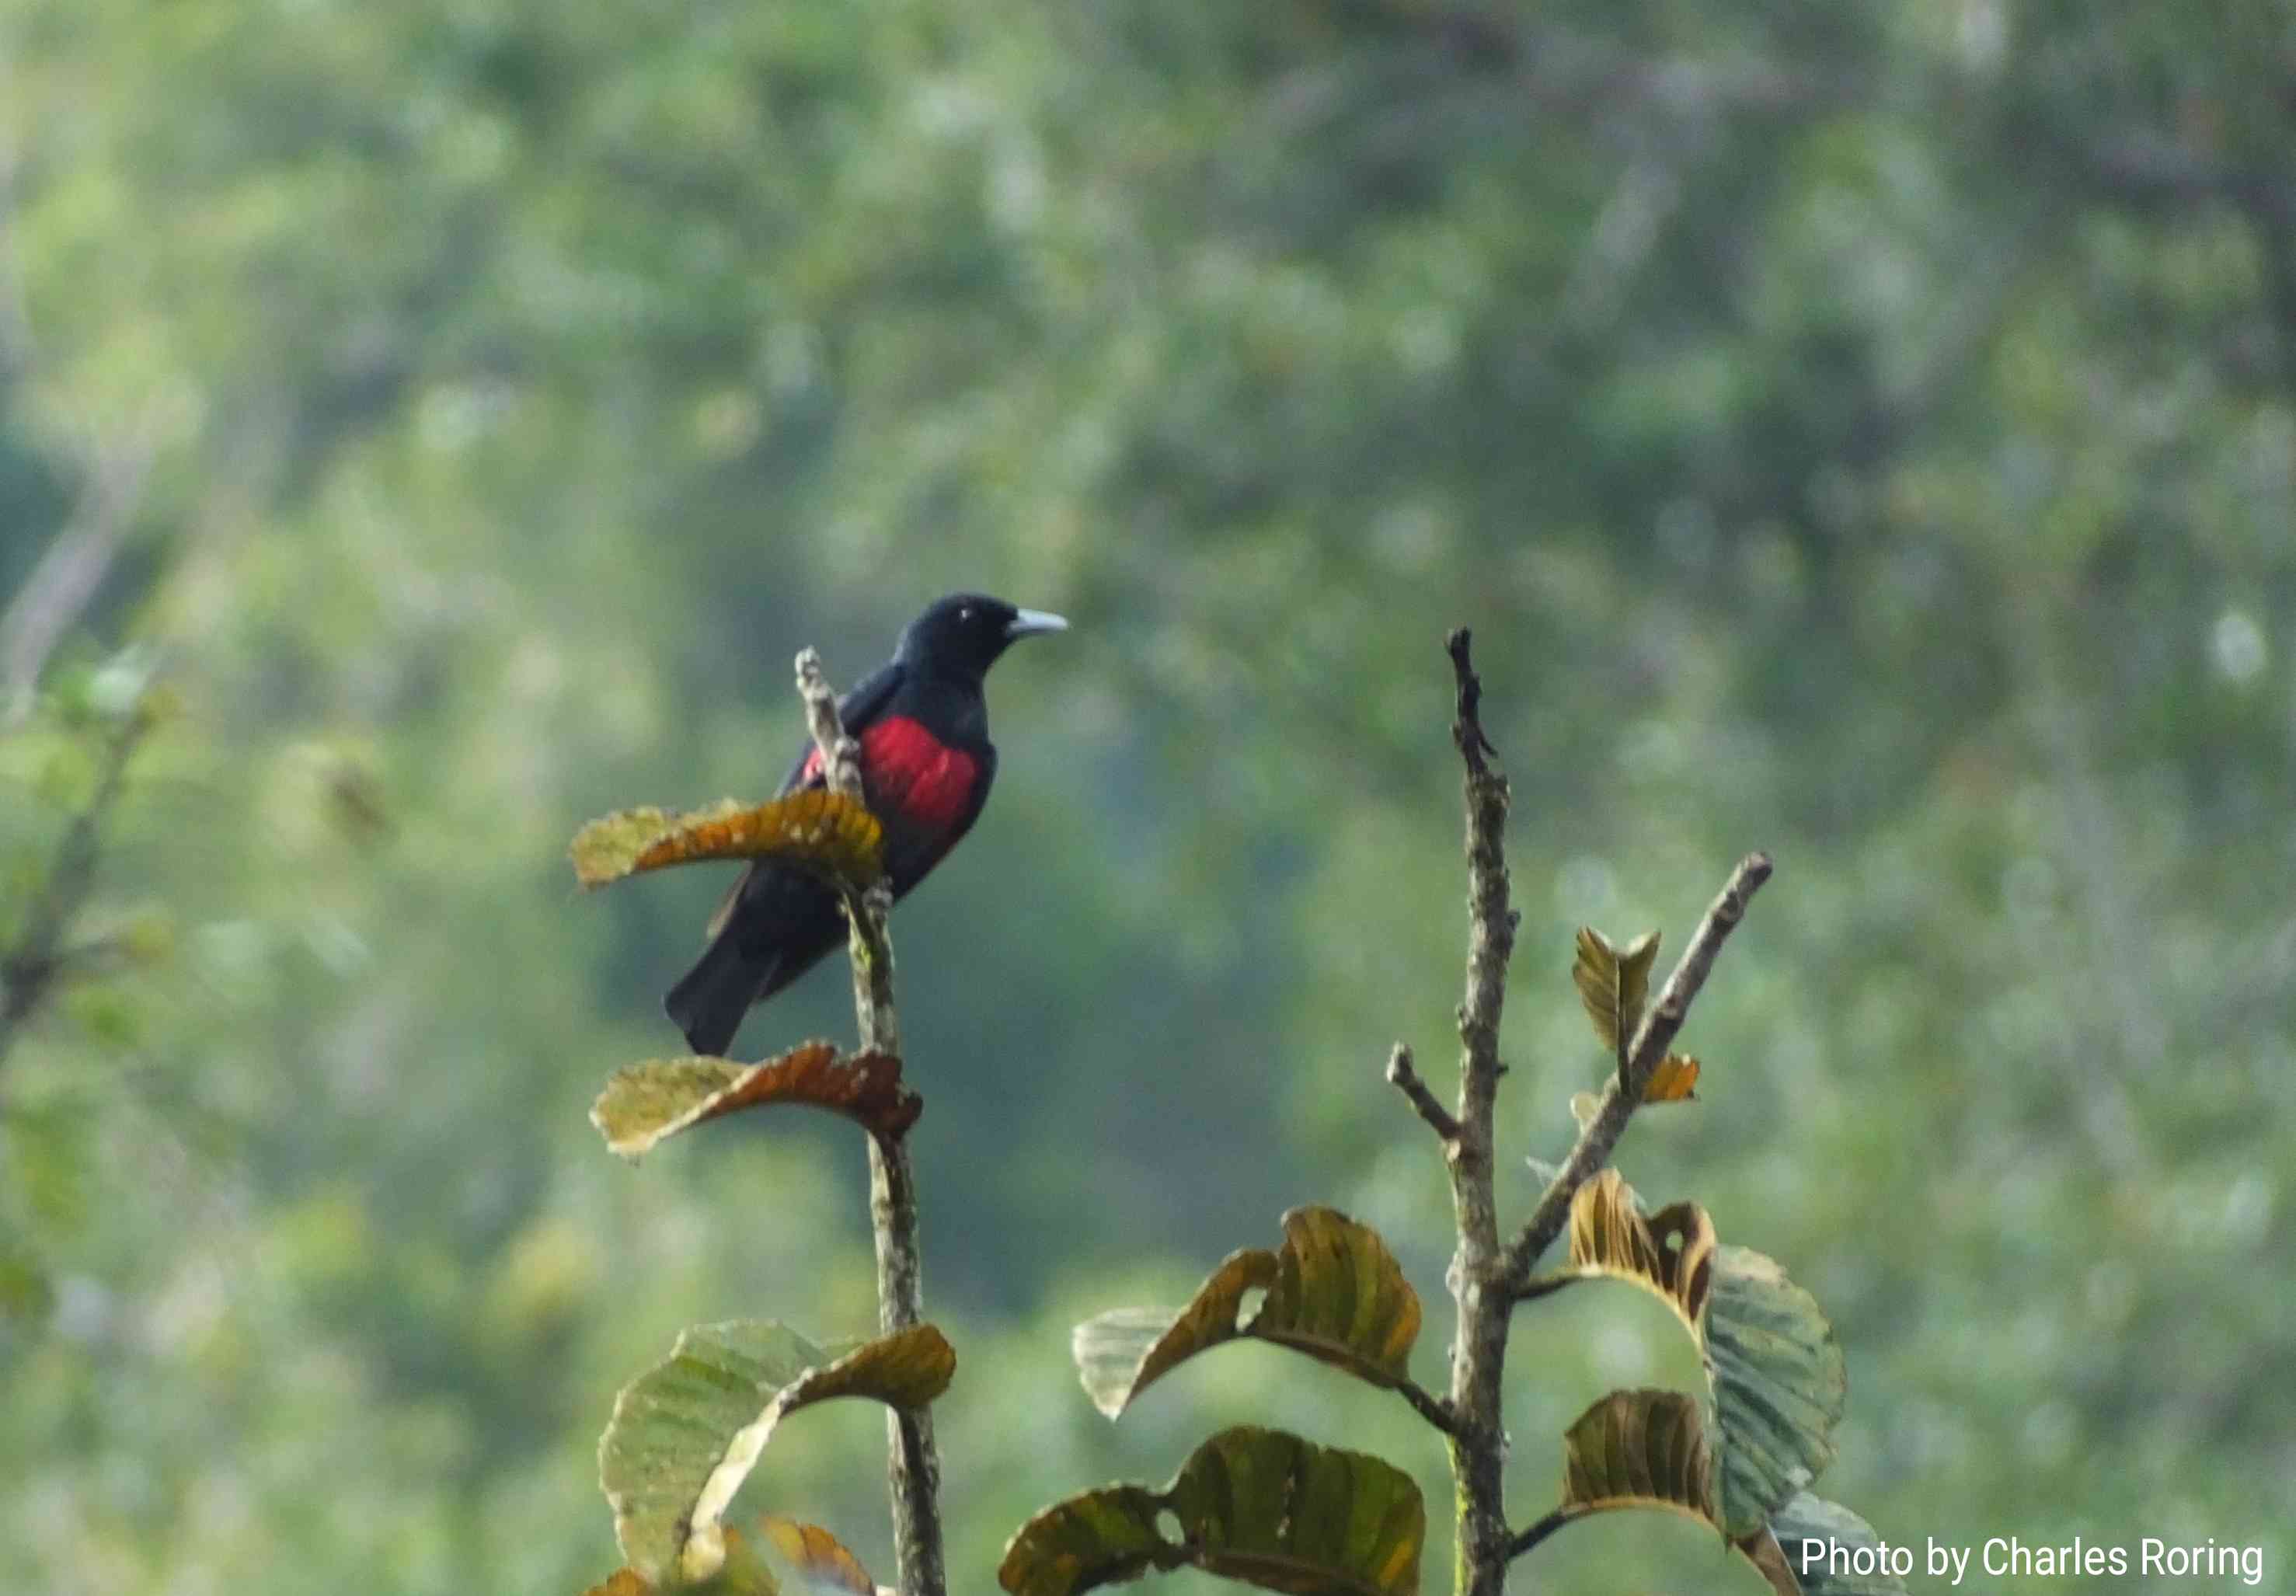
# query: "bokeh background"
[[1866, 432]]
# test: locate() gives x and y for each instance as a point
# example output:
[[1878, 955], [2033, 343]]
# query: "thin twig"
[[31, 969], [840, 755], [1428, 1406], [1621, 1097], [71, 570], [914, 1465], [1542, 1529], [1478, 1351], [1406, 1080], [1544, 1285]]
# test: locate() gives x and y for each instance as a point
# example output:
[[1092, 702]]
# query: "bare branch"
[[1623, 1095], [16, 343], [1478, 1351], [840, 755], [31, 969], [866, 912], [1544, 1285], [1406, 1080], [70, 571], [1539, 1531], [914, 1465]]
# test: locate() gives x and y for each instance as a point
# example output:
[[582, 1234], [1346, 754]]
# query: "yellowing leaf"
[[1614, 984], [1670, 1253], [645, 1104], [1674, 1081], [686, 1433], [1255, 1505], [1332, 1291], [781, 1557], [1639, 1449], [622, 1582], [821, 831], [820, 1559]]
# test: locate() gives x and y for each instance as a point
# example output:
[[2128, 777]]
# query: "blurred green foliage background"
[[1866, 432]]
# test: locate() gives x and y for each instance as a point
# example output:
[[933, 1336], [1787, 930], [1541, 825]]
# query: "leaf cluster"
[[686, 1434], [1737, 1460]]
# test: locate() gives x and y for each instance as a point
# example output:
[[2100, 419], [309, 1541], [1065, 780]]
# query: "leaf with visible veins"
[[1772, 1361], [1333, 1291], [834, 836], [1255, 1505], [645, 1104], [686, 1433], [1613, 984]]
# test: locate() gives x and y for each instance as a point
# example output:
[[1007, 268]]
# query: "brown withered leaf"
[[822, 830], [779, 1558], [644, 1105], [622, 1582], [1674, 1081], [821, 1561], [1613, 984], [1333, 1291], [1670, 1253]]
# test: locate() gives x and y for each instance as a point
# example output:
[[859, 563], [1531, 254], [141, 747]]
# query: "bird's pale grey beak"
[[1031, 623]]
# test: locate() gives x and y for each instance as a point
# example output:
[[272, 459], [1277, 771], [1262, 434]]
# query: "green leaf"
[[1614, 983], [1809, 1524], [824, 831], [1780, 1385], [25, 1292], [1772, 1361], [1334, 1292], [1255, 1505], [686, 1433], [645, 1104]]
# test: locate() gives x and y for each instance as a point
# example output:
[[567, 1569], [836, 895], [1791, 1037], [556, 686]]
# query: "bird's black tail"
[[708, 1002]]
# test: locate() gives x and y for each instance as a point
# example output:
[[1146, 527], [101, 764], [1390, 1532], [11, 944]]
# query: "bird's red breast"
[[911, 772]]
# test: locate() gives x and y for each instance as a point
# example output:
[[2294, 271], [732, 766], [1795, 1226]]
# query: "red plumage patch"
[[911, 772]]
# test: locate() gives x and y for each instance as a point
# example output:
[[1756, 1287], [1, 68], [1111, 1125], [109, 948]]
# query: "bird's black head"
[[959, 637]]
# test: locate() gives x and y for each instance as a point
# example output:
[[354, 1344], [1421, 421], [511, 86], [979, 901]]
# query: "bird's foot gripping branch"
[[1290, 1514], [686, 1434]]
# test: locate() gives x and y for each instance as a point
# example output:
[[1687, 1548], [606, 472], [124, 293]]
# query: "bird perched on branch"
[[926, 764]]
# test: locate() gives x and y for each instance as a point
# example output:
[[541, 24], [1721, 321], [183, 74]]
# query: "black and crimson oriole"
[[926, 764]]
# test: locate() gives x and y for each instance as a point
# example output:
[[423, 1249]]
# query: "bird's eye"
[[964, 614]]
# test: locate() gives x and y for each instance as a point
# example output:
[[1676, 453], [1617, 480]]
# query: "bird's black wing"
[[857, 711]]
